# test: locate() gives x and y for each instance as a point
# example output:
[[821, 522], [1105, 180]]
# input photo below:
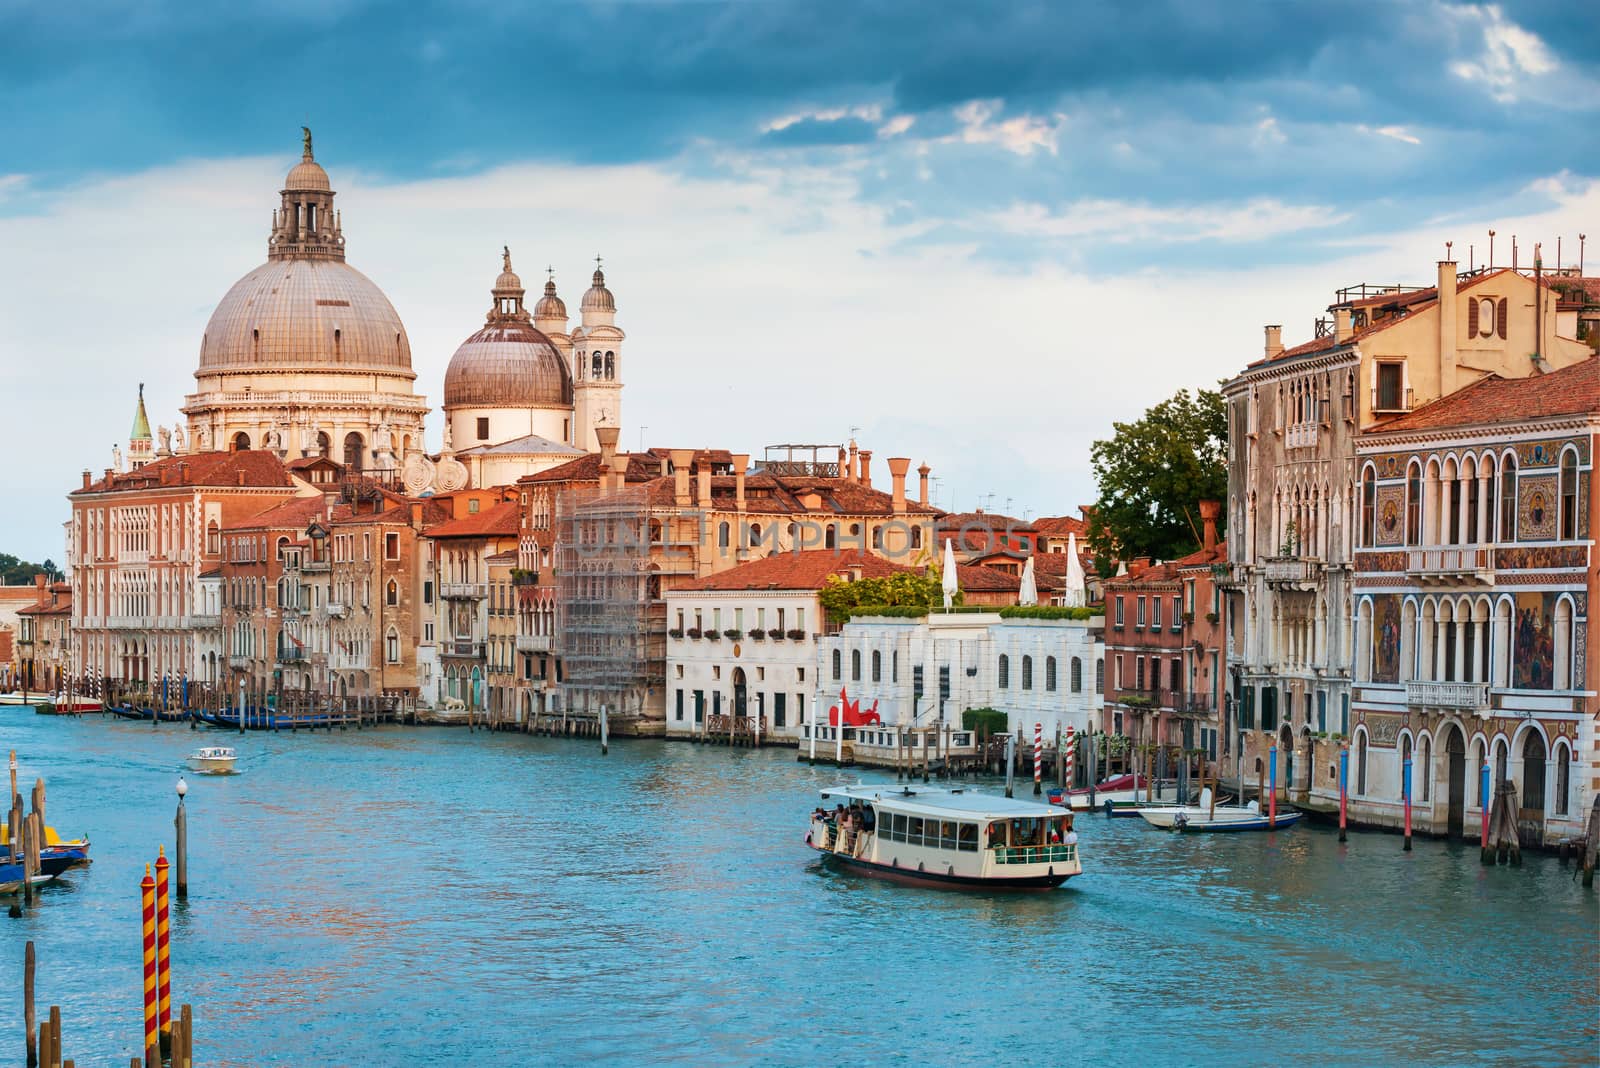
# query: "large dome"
[[305, 313], [507, 364]]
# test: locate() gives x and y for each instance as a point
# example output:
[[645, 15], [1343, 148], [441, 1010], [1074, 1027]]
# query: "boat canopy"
[[940, 802]]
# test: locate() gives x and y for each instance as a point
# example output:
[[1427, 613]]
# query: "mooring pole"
[[1484, 852], [605, 732], [1344, 788], [1272, 797], [180, 824], [1405, 786], [1011, 764]]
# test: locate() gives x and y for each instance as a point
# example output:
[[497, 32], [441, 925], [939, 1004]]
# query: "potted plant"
[[675, 632], [1212, 617], [796, 634], [775, 633], [712, 634], [757, 634], [695, 632], [733, 635]]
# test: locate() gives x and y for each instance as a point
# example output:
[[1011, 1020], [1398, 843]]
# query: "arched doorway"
[[324, 444], [1455, 747], [740, 695], [352, 451], [1532, 800], [1286, 759], [241, 442]]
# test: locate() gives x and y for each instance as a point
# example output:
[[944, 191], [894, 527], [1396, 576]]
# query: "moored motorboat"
[[11, 877], [56, 854], [1208, 816], [214, 759], [946, 837]]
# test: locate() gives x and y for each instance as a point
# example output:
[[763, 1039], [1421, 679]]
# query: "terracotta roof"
[[808, 570], [1217, 554], [987, 520], [975, 578], [1492, 400], [586, 468], [295, 514], [258, 468], [503, 520], [507, 557], [1060, 526]]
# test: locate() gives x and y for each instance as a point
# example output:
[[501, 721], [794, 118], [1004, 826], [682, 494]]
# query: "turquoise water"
[[405, 896]]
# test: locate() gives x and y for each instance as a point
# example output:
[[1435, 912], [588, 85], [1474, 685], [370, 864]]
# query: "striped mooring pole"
[[1071, 757], [1272, 795], [147, 894], [163, 955], [1344, 787], [1405, 785], [1038, 759]]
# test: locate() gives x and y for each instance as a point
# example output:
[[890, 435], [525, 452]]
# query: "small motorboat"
[[56, 854], [213, 759], [11, 877], [1207, 816]]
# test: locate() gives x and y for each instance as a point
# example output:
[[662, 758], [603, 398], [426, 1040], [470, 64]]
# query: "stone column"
[[1461, 506], [1481, 649], [1485, 517], [1461, 626]]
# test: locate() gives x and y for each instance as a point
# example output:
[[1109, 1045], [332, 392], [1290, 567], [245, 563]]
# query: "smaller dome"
[[508, 280], [308, 175], [550, 306], [599, 298]]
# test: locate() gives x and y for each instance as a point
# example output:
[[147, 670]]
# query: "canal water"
[[406, 896]]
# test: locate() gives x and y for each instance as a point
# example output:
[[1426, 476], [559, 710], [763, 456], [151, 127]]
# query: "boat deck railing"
[[1045, 854]]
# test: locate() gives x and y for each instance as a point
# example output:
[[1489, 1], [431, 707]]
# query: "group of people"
[[1053, 830], [857, 817]]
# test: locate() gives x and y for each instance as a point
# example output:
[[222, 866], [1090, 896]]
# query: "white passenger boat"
[[1208, 817], [945, 836], [217, 759]]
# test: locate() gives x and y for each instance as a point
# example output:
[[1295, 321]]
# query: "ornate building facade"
[[305, 355]]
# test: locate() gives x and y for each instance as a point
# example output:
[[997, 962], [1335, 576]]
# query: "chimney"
[[855, 463], [741, 461], [1210, 512], [1447, 327], [86, 478], [844, 464], [898, 466], [607, 437], [922, 487], [416, 515], [38, 581], [703, 484], [681, 458], [1341, 325], [865, 457], [1274, 340], [241, 478]]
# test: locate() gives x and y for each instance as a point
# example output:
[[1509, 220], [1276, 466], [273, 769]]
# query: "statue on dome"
[[305, 137], [177, 437], [202, 437], [274, 440], [116, 458], [166, 439], [505, 253]]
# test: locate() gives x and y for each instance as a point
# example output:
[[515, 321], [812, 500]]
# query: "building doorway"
[[1531, 816], [1455, 747], [739, 694], [352, 452], [1286, 753]]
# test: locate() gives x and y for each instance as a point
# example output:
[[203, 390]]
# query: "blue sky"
[[923, 187]]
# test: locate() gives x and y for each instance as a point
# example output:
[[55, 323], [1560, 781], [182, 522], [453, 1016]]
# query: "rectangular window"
[[1138, 619], [1139, 669], [738, 619], [1155, 611], [679, 704], [427, 592], [391, 546], [1322, 711], [1389, 396], [483, 428], [799, 619], [1120, 607], [1177, 615], [779, 712]]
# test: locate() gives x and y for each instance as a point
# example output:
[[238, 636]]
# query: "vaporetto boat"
[[945, 836]]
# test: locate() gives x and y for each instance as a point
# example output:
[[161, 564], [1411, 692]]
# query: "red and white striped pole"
[[163, 955], [147, 894], [1071, 757], [1038, 759]]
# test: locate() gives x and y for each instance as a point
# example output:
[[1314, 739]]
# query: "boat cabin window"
[[931, 834]]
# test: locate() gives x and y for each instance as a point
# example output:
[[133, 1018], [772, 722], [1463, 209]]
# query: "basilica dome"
[[305, 313], [508, 363]]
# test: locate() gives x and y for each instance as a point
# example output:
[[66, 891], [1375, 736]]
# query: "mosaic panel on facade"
[[1548, 453], [1534, 641], [1391, 505], [1383, 729], [1536, 508], [1529, 557], [1391, 464], [1381, 561], [1386, 637]]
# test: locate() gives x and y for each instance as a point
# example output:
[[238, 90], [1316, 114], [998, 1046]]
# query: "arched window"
[[1563, 784], [1050, 673], [1405, 754], [1508, 499], [1077, 674], [324, 443], [391, 646], [1569, 495], [352, 451], [611, 365], [1422, 772], [877, 538], [830, 537], [1005, 671], [391, 594], [855, 665], [1414, 505], [837, 655], [916, 537], [1027, 672], [755, 535], [1369, 507], [241, 441], [877, 666], [598, 364], [1533, 771], [722, 535]]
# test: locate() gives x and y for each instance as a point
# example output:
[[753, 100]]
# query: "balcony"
[[463, 591], [534, 643], [1295, 572], [461, 648], [204, 621], [1470, 696], [291, 656], [311, 566], [239, 663], [1391, 399], [1302, 436], [338, 610], [1452, 564]]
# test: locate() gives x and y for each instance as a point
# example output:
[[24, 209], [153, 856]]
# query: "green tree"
[[15, 571], [1152, 473], [906, 588]]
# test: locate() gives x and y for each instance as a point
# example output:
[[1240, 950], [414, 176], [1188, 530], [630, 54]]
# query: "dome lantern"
[[305, 226]]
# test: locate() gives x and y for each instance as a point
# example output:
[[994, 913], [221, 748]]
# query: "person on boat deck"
[[869, 818], [1071, 837], [997, 835]]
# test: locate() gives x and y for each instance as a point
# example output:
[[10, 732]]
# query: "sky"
[[972, 234]]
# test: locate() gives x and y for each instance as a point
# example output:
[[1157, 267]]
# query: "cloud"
[[1396, 133], [1020, 134], [1122, 222], [1510, 53]]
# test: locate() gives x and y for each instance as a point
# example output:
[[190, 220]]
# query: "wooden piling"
[[28, 1021], [27, 860], [186, 1054], [54, 1030], [38, 798], [1591, 844]]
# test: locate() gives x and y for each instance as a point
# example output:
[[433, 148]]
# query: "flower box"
[[733, 635], [796, 634], [758, 635], [713, 635], [775, 633], [694, 632]]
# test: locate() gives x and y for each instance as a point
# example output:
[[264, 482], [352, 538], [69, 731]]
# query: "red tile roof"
[[503, 520], [1060, 526], [808, 570], [295, 514], [257, 468], [974, 578], [1494, 400]]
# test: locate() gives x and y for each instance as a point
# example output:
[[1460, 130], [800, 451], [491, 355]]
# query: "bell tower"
[[596, 365]]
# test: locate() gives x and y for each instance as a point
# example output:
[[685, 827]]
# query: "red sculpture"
[[853, 716]]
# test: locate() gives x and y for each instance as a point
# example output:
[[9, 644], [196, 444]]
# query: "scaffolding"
[[611, 637]]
